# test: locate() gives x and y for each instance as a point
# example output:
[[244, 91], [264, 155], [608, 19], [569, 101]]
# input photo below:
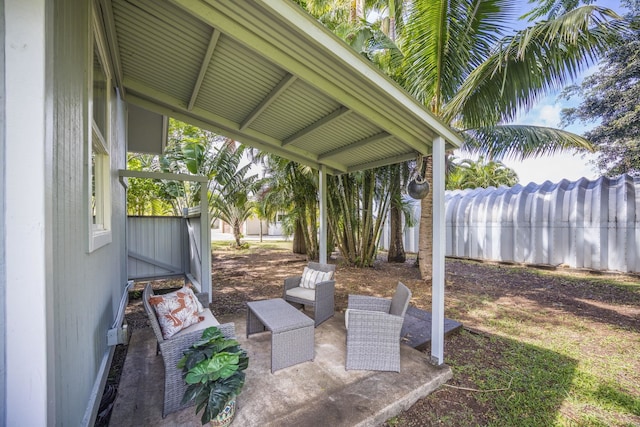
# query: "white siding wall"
[[580, 224]]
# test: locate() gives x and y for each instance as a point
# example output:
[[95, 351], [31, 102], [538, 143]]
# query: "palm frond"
[[445, 40], [530, 64], [521, 141]]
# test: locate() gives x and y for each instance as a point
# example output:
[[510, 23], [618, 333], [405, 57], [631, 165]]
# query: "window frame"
[[98, 179]]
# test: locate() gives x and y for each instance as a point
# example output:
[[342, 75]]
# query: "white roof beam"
[[268, 100], [375, 138], [215, 36], [112, 42], [384, 162], [340, 112]]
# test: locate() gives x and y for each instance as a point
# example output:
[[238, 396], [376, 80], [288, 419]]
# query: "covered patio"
[[268, 75], [314, 393]]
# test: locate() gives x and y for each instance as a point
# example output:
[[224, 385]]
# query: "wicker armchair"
[[373, 330], [321, 298], [172, 348]]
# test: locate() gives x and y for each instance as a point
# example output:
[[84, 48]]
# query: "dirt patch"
[[514, 294]]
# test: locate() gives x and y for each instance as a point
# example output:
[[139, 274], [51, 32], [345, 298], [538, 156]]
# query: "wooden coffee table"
[[292, 333]]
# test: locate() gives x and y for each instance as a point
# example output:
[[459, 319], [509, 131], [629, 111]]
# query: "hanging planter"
[[418, 187]]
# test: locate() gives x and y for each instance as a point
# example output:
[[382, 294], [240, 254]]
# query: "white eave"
[[268, 75]]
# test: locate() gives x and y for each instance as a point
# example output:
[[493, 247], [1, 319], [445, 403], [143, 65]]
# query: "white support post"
[[323, 214], [205, 240], [29, 340], [439, 236]]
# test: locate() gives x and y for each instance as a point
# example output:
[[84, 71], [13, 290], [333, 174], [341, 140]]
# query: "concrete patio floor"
[[314, 393]]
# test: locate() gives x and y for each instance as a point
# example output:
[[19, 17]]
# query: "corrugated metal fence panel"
[[580, 224], [156, 246], [195, 254]]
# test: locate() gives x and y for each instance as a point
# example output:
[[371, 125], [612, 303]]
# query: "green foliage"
[[610, 98], [231, 201], [292, 190], [145, 196], [480, 174], [213, 369], [359, 202]]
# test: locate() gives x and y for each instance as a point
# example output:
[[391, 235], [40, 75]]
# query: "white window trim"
[[98, 234]]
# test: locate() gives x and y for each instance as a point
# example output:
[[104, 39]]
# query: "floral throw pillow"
[[311, 277], [176, 311]]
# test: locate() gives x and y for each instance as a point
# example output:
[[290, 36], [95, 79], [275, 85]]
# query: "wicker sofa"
[[321, 298], [172, 349], [373, 330]]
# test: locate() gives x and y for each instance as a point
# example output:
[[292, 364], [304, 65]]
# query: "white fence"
[[580, 224]]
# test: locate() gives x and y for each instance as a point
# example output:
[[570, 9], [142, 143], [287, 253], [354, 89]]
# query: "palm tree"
[[460, 63], [231, 201], [292, 188], [480, 174]]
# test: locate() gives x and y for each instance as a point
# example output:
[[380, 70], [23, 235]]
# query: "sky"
[[546, 112]]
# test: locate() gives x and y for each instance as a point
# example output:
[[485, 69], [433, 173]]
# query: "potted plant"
[[213, 370]]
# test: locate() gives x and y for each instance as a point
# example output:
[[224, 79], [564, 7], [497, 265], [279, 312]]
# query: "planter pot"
[[225, 417], [418, 190]]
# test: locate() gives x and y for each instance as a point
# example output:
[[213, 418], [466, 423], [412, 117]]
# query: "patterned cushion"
[[310, 277], [176, 311]]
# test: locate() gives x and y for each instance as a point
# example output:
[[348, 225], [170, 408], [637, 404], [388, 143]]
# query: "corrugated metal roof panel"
[[342, 132], [243, 83], [273, 80], [297, 108]]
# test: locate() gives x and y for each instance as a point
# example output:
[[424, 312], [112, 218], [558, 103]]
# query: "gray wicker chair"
[[172, 351], [322, 298], [373, 330]]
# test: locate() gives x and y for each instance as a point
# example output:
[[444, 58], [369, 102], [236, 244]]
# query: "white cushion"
[[311, 277], [302, 293]]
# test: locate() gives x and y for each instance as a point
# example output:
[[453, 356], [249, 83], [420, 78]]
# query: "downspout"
[[439, 236]]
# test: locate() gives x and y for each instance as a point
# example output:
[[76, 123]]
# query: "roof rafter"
[[374, 138], [215, 35], [383, 162], [162, 103], [112, 42], [335, 115], [268, 100]]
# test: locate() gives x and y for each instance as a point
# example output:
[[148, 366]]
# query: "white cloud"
[[554, 168]]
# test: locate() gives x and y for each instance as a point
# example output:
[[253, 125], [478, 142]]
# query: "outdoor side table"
[[292, 333]]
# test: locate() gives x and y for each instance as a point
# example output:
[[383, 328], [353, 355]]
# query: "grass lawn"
[[548, 349], [540, 348]]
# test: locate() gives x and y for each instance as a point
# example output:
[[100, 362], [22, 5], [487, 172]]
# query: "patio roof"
[[268, 75]]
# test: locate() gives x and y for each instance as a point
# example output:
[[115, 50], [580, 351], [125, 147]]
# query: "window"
[[99, 183]]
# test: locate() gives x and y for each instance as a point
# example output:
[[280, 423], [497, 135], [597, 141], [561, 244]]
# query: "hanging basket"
[[418, 187], [418, 190]]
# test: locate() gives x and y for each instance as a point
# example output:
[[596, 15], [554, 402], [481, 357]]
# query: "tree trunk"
[[425, 245], [396, 245], [299, 246], [236, 232]]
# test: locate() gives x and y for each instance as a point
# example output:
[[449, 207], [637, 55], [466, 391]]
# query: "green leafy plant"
[[213, 370]]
